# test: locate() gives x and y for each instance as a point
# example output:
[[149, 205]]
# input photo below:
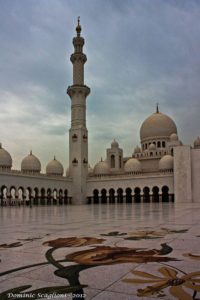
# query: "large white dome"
[[54, 167], [5, 158], [132, 165], [31, 164], [166, 162], [157, 125], [101, 168]]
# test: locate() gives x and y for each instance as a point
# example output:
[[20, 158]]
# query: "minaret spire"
[[157, 109], [78, 134], [78, 28]]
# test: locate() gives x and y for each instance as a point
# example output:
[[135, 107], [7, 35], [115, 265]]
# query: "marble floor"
[[100, 252]]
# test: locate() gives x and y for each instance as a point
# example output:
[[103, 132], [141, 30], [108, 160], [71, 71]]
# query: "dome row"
[[30, 164], [132, 165]]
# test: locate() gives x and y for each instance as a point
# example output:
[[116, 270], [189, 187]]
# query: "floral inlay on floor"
[[99, 255], [112, 259]]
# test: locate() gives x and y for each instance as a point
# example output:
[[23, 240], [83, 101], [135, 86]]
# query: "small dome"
[[101, 168], [54, 167], [173, 137], [157, 125], [166, 162], [197, 142], [114, 144], [5, 158], [137, 150], [132, 165], [31, 164], [90, 170], [152, 147]]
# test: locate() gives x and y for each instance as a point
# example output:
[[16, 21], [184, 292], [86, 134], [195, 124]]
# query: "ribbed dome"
[[152, 147], [173, 137], [101, 168], [157, 125], [5, 158], [31, 164], [114, 144], [166, 162], [132, 165], [197, 142], [54, 167]]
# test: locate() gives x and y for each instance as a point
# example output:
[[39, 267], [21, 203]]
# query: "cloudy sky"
[[139, 52]]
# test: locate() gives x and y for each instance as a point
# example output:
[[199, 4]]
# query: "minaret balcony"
[[78, 57], [73, 89]]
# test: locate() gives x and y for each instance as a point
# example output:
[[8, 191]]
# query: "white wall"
[[182, 174], [18, 179], [131, 181], [195, 174]]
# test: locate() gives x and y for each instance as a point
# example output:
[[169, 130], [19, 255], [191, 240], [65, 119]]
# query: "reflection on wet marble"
[[23, 230]]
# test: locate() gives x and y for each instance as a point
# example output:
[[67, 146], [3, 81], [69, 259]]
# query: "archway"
[[146, 195], [66, 197], [42, 199], [128, 195], [4, 192], [60, 197], [36, 196], [96, 196], [54, 196], [111, 196], [137, 196], [103, 196], [155, 196], [48, 196], [28, 196], [21, 195], [165, 194], [119, 195], [13, 195]]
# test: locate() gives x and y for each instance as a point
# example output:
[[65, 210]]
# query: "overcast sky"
[[139, 52]]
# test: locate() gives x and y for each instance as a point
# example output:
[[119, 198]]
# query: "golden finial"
[[78, 27]]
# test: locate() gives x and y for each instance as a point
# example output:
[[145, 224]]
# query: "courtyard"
[[124, 251]]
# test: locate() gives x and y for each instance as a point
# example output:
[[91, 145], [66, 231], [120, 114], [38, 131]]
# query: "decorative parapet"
[[82, 89]]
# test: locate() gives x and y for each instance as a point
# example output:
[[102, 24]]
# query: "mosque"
[[161, 169]]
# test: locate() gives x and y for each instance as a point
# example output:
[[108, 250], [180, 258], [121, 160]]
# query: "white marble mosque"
[[161, 169]]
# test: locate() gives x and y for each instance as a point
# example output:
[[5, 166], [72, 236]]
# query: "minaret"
[[78, 134]]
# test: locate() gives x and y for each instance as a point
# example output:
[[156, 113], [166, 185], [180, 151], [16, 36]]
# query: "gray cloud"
[[139, 53]]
